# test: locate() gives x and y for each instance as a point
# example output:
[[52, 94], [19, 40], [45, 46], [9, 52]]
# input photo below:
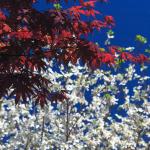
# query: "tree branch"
[[42, 133], [67, 121]]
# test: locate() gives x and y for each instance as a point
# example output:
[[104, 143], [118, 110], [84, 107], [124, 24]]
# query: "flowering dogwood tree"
[[103, 110]]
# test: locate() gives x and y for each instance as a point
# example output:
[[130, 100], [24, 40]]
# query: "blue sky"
[[132, 17]]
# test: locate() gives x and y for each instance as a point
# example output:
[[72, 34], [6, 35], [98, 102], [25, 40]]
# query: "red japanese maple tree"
[[28, 36]]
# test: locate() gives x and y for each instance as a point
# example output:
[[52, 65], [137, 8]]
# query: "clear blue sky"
[[132, 17]]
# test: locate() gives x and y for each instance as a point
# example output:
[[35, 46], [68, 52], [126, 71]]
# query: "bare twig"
[[67, 121], [42, 133]]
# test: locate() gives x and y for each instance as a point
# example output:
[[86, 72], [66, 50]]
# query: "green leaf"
[[141, 39], [57, 6], [119, 61], [147, 50], [110, 32], [122, 49], [94, 122], [107, 96]]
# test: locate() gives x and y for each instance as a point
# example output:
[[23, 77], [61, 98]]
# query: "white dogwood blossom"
[[103, 111]]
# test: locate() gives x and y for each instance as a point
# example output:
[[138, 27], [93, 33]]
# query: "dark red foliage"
[[51, 96], [136, 59], [109, 20], [24, 32]]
